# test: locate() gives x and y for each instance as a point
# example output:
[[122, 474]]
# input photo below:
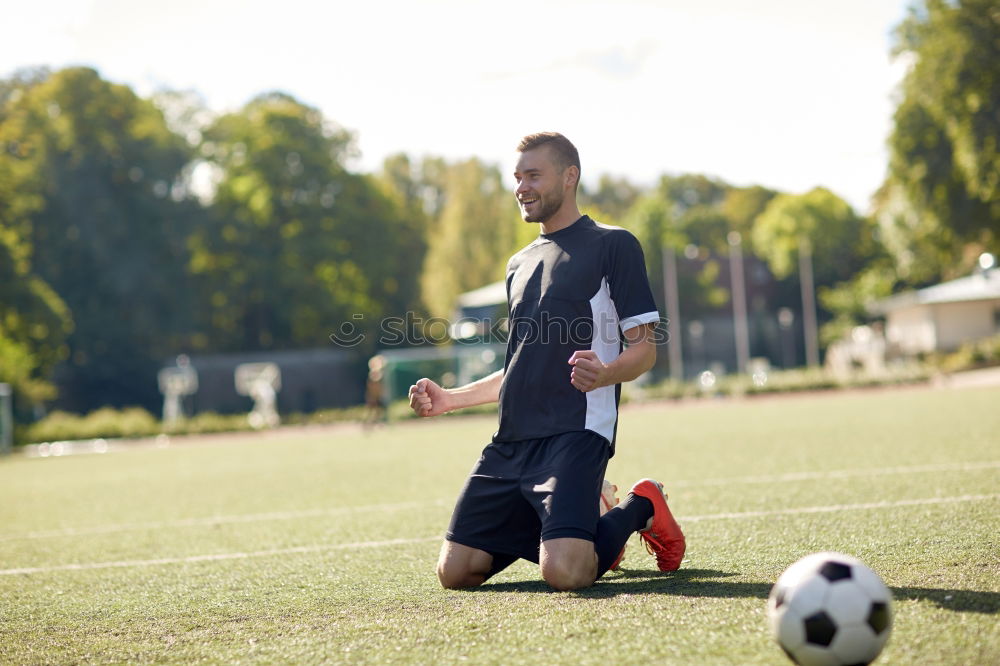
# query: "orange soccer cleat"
[[663, 536]]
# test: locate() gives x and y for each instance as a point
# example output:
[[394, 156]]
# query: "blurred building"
[[311, 379], [944, 316], [484, 305], [477, 336]]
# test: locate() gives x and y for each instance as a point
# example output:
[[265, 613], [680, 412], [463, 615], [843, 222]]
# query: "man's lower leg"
[[616, 526]]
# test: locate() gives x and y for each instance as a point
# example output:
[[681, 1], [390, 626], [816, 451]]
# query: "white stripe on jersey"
[[639, 320], [602, 412]]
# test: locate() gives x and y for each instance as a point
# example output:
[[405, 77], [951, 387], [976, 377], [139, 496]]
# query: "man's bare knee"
[[461, 567], [568, 564], [565, 576], [460, 580]]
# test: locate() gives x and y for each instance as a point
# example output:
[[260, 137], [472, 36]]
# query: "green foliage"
[[706, 226], [102, 423], [841, 242], [611, 199], [15, 86], [208, 422], [128, 423], [782, 381], [19, 368], [476, 233], [850, 301], [296, 245], [742, 205], [945, 147], [649, 219], [684, 214], [689, 190], [108, 263], [954, 80], [34, 323], [922, 249], [89, 188], [970, 356]]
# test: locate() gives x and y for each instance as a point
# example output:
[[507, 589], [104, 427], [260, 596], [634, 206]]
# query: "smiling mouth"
[[527, 201]]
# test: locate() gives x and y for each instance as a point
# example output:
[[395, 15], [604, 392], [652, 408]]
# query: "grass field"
[[318, 546]]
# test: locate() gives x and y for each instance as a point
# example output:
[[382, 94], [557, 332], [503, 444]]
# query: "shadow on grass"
[[712, 583], [961, 601], [684, 582]]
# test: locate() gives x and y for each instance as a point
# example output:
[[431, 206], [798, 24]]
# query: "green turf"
[[296, 518]]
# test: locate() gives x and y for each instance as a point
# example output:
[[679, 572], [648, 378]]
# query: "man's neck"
[[564, 217]]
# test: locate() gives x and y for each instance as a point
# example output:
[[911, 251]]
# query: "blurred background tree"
[[940, 205], [477, 231], [836, 244], [295, 244], [611, 199], [34, 324], [842, 242], [91, 189], [135, 229]]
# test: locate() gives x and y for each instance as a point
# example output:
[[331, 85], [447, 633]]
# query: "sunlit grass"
[[270, 548]]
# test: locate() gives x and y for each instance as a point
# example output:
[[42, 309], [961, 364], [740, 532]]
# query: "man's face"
[[540, 184]]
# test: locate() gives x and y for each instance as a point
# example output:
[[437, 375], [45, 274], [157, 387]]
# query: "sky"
[[789, 94]]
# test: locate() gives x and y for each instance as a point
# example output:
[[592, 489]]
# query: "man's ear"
[[572, 176]]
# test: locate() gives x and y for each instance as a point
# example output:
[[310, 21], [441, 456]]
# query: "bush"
[[128, 423], [135, 422], [979, 354], [327, 416], [667, 390], [780, 381], [783, 381], [103, 423], [208, 422]]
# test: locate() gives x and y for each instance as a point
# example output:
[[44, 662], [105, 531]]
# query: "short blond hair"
[[564, 153]]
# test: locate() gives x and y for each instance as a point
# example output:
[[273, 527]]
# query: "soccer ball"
[[829, 609]]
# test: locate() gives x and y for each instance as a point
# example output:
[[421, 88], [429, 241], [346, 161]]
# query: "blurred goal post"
[[6, 419], [449, 365]]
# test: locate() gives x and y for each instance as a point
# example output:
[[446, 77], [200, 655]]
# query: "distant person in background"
[[376, 410], [574, 296]]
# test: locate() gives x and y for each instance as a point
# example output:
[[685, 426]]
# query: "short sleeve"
[[628, 282]]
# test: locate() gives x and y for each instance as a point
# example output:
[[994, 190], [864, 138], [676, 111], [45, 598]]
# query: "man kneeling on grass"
[[573, 294]]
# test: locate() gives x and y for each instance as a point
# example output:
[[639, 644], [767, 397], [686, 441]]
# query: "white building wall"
[[941, 326], [957, 323], [911, 330]]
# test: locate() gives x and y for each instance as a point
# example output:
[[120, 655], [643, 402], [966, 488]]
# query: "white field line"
[[833, 508], [840, 474], [212, 521], [397, 542], [216, 557]]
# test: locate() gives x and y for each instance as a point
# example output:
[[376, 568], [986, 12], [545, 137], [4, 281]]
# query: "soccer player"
[[572, 295]]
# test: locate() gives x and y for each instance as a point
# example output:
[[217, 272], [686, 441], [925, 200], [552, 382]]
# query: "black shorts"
[[522, 493]]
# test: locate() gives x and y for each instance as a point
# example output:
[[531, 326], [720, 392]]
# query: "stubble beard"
[[550, 204]]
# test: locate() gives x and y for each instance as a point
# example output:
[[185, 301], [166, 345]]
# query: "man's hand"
[[428, 399], [588, 371]]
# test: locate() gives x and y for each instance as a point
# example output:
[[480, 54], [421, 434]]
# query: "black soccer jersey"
[[575, 289]]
